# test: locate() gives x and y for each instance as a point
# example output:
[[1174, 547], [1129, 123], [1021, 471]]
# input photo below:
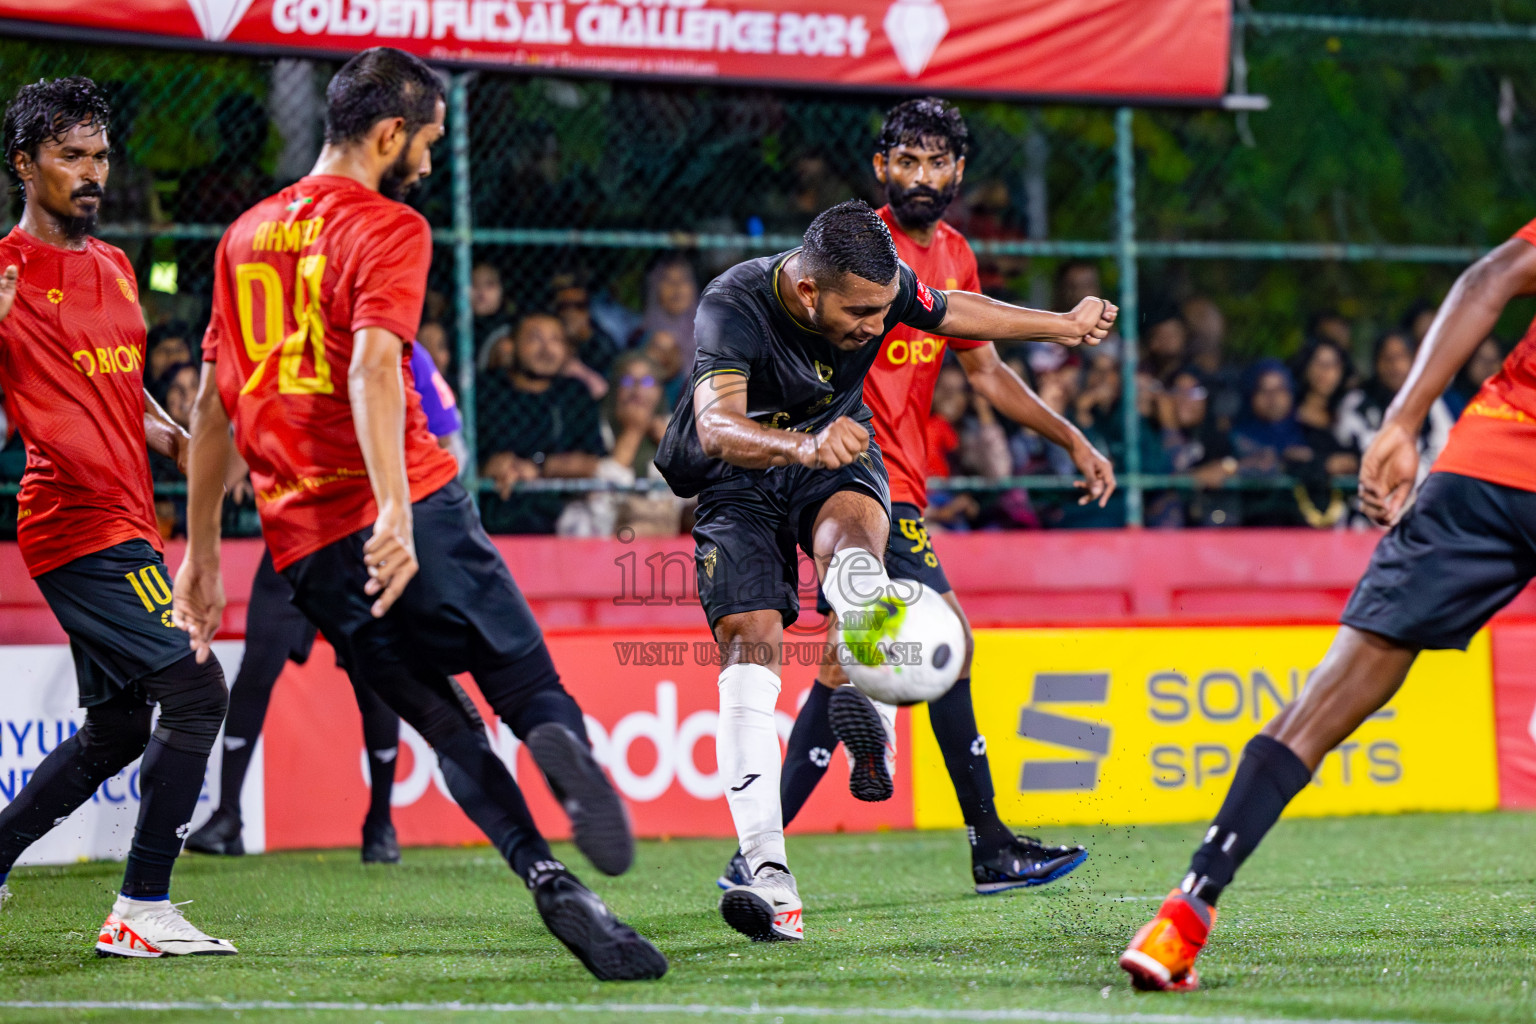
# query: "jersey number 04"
[[309, 333]]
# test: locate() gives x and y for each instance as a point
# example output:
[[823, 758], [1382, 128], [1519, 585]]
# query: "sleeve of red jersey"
[[1527, 233], [392, 275], [218, 318], [970, 281]]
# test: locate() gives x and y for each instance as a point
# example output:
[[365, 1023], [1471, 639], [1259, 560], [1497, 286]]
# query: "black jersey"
[[796, 379]]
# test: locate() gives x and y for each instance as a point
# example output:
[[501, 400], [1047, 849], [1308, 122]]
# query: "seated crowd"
[[574, 386]]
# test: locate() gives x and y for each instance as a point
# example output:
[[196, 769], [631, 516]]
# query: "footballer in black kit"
[[750, 520], [774, 437]]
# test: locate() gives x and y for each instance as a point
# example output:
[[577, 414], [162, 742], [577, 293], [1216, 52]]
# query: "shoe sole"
[[750, 914], [105, 951], [993, 888], [1148, 975], [859, 726], [599, 823], [608, 957]]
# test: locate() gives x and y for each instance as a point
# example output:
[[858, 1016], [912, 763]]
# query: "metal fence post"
[[1125, 256], [463, 261]]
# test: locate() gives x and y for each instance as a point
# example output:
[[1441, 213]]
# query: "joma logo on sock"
[[1085, 738]]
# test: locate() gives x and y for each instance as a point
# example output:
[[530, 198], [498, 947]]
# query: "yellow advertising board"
[[1122, 726]]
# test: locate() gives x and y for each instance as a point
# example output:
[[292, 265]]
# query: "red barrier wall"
[[1109, 577]]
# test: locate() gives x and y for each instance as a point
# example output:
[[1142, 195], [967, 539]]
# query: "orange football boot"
[[1161, 958]]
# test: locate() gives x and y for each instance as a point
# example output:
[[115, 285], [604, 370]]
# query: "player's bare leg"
[[1360, 673]]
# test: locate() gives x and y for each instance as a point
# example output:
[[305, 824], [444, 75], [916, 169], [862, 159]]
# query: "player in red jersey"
[[316, 290], [72, 366], [1463, 550], [920, 160]]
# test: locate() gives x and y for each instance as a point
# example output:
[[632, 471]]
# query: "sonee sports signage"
[[1113, 50]]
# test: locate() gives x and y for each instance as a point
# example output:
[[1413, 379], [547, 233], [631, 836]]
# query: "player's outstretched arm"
[[979, 318], [197, 603], [1390, 465], [377, 392], [163, 434], [727, 433], [996, 381]]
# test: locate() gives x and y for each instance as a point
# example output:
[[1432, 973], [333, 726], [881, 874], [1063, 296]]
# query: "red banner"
[[1107, 49], [650, 700], [1514, 712]]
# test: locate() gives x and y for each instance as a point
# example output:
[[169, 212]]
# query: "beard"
[[908, 207], [394, 182], [76, 228]]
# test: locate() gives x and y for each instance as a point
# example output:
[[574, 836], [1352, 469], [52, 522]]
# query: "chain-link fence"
[[1393, 152]]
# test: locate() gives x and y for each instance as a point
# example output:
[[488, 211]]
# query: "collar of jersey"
[[792, 319]]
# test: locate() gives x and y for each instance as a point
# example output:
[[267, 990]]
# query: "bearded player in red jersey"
[[1463, 549], [316, 291], [72, 366], [920, 160]]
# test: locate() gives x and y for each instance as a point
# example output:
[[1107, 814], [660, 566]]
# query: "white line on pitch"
[[681, 1009]]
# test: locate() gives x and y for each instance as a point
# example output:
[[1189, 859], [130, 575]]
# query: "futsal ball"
[[907, 648]]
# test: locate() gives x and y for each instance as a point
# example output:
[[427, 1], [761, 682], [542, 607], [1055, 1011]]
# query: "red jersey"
[[295, 276], [1495, 439], [72, 368], [899, 388]]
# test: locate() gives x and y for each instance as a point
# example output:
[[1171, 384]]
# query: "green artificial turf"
[[1423, 917]]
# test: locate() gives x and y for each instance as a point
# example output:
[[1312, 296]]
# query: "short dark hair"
[[927, 122], [850, 238], [376, 84], [45, 111]]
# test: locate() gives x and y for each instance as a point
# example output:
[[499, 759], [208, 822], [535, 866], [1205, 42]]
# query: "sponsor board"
[[40, 711], [1514, 704], [1121, 726], [650, 701], [1095, 48]]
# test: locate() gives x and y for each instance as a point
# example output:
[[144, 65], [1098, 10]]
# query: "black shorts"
[[271, 618], [115, 605], [461, 613], [1464, 550], [747, 529], [909, 554]]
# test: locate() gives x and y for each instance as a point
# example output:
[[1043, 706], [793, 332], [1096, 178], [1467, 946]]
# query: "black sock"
[[381, 738], [248, 700], [169, 783], [113, 735], [1268, 777], [965, 756], [811, 743]]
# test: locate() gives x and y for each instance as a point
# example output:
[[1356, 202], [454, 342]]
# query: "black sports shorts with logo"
[[1464, 550], [115, 604], [748, 526], [462, 612], [909, 554]]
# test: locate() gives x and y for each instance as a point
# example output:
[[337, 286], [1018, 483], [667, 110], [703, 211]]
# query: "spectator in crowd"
[[497, 352], [1417, 320], [662, 349], [166, 347], [1076, 280], [634, 418], [488, 301], [1361, 412], [1323, 374], [951, 397], [1485, 362], [1208, 357], [1331, 325], [534, 423], [433, 337], [672, 298], [1165, 352], [1265, 442], [1177, 414], [592, 351]]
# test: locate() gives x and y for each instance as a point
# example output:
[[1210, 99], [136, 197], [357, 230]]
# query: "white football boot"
[[151, 928], [767, 909]]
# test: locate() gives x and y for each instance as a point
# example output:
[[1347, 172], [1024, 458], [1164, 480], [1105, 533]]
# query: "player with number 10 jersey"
[[333, 257]]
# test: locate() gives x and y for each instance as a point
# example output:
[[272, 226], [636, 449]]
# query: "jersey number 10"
[[310, 332]]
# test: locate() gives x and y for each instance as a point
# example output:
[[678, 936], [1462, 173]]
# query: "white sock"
[[747, 749], [855, 580]]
